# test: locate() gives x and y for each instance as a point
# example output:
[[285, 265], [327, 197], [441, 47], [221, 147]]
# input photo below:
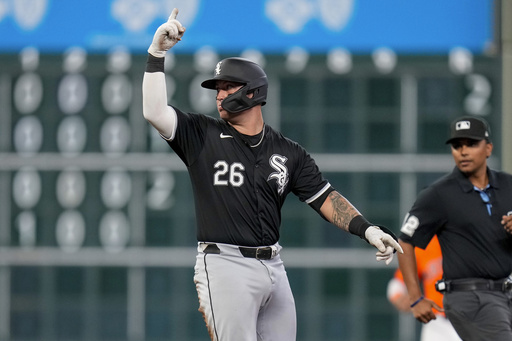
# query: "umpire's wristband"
[[154, 64], [417, 301], [358, 226]]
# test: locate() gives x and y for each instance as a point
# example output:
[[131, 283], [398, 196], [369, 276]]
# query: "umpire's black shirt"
[[474, 244]]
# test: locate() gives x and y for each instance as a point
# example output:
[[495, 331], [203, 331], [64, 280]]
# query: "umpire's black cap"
[[468, 127]]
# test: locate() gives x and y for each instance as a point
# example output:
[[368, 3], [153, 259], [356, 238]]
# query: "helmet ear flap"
[[238, 101], [255, 92]]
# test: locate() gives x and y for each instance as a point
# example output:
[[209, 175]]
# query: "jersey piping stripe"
[[316, 196], [210, 295]]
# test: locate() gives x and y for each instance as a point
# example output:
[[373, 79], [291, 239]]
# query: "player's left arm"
[[340, 212]]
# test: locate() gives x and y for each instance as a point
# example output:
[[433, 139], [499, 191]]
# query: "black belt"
[[503, 285], [263, 253]]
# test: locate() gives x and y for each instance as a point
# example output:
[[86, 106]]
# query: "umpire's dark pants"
[[480, 315]]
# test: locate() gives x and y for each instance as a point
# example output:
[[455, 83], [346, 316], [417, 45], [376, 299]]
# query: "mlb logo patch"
[[463, 125]]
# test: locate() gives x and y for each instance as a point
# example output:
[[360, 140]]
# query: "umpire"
[[470, 210]]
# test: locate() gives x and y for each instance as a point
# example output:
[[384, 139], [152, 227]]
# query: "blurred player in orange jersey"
[[430, 269]]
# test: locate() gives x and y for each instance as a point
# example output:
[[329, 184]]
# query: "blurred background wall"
[[97, 230]]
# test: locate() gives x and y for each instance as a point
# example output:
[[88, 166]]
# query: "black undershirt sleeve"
[[317, 204]]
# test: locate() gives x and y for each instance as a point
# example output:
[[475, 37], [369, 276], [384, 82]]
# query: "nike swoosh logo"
[[222, 136]]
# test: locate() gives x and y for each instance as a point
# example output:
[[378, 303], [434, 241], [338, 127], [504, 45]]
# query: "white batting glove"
[[166, 36], [384, 242]]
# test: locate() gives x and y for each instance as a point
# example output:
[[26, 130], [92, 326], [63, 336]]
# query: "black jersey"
[[473, 243], [239, 190]]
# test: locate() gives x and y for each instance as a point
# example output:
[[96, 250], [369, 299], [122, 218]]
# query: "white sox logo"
[[217, 69], [277, 162]]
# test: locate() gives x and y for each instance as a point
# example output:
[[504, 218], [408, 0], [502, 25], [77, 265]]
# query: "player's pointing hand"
[[166, 36], [384, 242]]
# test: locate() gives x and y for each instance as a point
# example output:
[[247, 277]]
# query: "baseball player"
[[470, 211], [430, 270], [241, 172]]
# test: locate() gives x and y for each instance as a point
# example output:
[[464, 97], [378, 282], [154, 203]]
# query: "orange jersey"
[[430, 270]]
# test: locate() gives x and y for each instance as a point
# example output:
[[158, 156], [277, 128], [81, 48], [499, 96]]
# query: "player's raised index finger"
[[173, 15]]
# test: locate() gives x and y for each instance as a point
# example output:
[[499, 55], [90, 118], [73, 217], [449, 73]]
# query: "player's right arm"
[[341, 213], [154, 90]]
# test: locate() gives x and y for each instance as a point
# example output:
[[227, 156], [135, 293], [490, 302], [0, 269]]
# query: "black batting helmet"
[[243, 71]]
